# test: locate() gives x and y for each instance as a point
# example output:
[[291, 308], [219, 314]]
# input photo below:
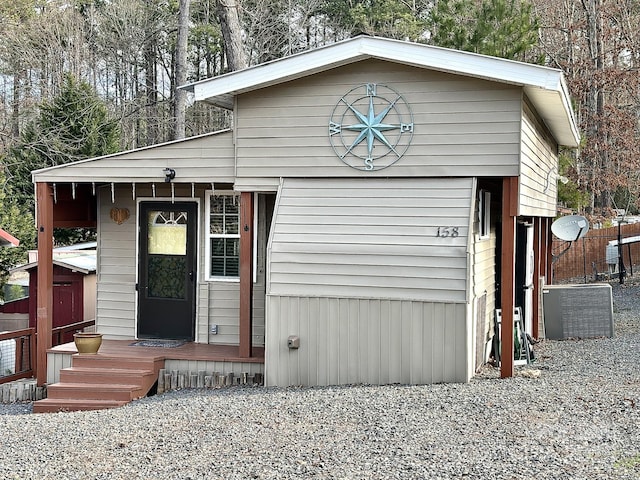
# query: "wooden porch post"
[[509, 212], [544, 253], [549, 252], [246, 273], [44, 315]]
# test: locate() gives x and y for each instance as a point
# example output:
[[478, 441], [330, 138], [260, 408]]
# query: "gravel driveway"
[[574, 415]]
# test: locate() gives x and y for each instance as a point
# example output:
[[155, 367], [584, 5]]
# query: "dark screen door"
[[167, 270]]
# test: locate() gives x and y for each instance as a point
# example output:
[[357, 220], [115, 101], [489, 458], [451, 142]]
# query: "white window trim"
[[207, 237], [484, 215]]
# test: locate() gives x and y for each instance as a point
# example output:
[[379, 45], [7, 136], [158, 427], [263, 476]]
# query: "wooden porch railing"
[[24, 361], [57, 333]]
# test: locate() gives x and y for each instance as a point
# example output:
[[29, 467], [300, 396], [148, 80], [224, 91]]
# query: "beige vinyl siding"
[[89, 285], [462, 126], [202, 312], [256, 184], [116, 304], [224, 307], [537, 189], [484, 283], [224, 296], [205, 158], [371, 238], [373, 341], [116, 295]]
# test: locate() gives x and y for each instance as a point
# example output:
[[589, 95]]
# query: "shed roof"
[[8, 240], [544, 86], [83, 262]]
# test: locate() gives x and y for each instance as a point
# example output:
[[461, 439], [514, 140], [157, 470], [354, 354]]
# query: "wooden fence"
[[588, 256]]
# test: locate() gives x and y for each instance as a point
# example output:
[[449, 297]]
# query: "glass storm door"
[[167, 270]]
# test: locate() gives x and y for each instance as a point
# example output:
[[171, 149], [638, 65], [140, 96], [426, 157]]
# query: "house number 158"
[[444, 232]]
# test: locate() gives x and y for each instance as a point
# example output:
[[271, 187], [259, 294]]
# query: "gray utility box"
[[577, 311]]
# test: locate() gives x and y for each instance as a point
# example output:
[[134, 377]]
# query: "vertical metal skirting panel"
[[371, 341]]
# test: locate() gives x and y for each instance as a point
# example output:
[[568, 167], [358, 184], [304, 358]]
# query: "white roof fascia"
[[220, 90]]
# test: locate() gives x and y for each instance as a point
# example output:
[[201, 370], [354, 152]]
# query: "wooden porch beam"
[[44, 315], [246, 273], [507, 274]]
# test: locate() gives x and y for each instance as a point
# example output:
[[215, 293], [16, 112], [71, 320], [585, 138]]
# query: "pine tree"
[[501, 28], [18, 221], [75, 125]]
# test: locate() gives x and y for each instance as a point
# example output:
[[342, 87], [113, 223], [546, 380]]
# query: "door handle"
[[191, 276]]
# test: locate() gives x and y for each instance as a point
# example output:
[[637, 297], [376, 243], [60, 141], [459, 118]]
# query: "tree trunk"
[[180, 100], [231, 32]]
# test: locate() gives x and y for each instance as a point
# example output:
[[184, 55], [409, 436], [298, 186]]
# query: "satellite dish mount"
[[569, 229]]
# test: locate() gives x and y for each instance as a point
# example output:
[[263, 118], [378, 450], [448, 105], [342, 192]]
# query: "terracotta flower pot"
[[87, 343]]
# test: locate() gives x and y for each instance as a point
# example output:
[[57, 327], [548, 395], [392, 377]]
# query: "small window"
[[223, 242], [484, 214]]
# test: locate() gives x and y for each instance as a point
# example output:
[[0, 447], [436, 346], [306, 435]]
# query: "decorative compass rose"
[[371, 127]]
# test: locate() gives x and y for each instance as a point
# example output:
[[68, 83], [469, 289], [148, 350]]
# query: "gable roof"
[[545, 87]]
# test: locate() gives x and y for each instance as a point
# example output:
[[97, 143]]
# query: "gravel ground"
[[574, 415]]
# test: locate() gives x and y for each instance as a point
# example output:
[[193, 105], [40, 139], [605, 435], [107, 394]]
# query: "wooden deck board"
[[188, 351]]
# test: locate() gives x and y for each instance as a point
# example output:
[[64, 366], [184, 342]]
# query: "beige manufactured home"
[[373, 204]]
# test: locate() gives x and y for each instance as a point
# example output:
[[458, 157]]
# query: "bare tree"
[[180, 96], [232, 33]]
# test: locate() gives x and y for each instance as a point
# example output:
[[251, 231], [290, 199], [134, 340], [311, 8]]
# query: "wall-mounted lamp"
[[553, 175], [169, 174]]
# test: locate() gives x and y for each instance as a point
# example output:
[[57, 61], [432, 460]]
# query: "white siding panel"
[[55, 363], [346, 341], [381, 243], [538, 179]]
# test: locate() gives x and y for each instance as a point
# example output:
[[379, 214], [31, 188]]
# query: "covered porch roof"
[[196, 158]]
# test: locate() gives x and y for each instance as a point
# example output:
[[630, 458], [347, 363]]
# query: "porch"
[[124, 370]]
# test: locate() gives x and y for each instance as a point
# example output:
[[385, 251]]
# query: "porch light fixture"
[[169, 174], [553, 175]]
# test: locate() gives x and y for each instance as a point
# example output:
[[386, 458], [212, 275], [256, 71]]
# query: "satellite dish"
[[570, 228]]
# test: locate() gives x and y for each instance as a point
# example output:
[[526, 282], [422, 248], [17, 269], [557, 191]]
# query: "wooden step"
[[127, 376], [94, 391], [101, 381], [52, 405], [114, 361]]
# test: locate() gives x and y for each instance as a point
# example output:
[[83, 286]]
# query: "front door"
[[167, 270]]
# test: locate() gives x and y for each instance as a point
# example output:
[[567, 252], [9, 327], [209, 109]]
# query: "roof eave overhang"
[[8, 240], [535, 79]]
